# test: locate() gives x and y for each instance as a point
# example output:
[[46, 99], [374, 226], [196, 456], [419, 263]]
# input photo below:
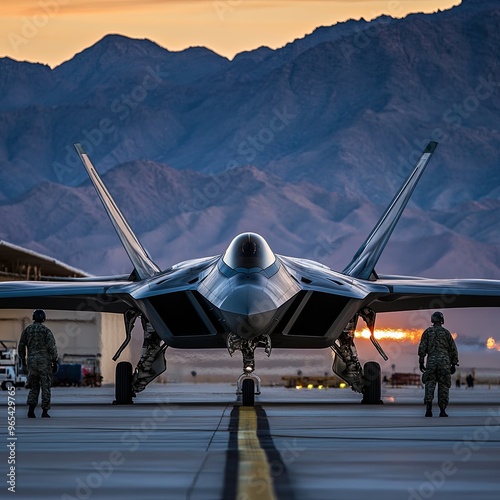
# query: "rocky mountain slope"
[[305, 144]]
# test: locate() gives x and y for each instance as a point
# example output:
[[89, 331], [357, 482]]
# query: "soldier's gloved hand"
[[453, 369], [421, 364], [24, 367], [55, 366]]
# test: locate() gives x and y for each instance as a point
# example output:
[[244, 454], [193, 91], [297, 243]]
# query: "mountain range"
[[305, 144]]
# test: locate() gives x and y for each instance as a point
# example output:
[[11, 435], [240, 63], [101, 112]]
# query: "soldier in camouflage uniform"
[[442, 357], [42, 355]]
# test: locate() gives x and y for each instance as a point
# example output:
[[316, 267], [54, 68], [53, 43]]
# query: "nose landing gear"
[[249, 383]]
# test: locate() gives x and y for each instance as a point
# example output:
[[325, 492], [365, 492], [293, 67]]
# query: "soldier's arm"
[[51, 342], [21, 348], [453, 351], [422, 348]]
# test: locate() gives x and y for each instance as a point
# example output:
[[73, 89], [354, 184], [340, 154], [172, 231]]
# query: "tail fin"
[[144, 266], [363, 263]]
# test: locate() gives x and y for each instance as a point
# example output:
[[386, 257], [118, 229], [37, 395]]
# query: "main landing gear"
[[151, 364], [366, 381], [248, 384]]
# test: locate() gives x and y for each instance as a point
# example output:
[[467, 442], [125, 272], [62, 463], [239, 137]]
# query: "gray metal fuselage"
[[214, 298]]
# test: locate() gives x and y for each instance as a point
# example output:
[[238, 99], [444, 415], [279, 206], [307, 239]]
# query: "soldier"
[[42, 357], [442, 357]]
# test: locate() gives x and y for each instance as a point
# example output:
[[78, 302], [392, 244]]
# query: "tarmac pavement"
[[194, 441]]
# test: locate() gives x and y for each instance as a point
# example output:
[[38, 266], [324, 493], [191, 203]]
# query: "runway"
[[195, 442]]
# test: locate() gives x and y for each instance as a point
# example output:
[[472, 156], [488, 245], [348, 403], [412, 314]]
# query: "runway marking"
[[254, 472], [254, 467]]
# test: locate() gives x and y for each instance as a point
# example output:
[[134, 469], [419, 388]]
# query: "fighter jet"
[[250, 297]]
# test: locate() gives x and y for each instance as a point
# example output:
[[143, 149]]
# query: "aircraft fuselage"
[[249, 291]]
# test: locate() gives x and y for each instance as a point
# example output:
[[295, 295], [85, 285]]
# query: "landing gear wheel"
[[123, 384], [373, 384], [7, 384], [248, 392]]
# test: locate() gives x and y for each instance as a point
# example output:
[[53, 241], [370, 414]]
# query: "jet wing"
[[75, 296], [169, 299], [327, 295], [102, 294], [408, 293]]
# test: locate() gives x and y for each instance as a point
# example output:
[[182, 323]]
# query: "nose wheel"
[[248, 386]]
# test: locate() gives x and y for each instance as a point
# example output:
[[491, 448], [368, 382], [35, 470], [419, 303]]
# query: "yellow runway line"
[[254, 473]]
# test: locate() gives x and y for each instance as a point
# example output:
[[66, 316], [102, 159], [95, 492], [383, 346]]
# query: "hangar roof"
[[20, 263]]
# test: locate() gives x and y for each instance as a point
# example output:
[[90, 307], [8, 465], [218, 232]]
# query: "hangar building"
[[77, 333]]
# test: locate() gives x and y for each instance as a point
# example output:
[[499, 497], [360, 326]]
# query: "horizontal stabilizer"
[[363, 263], [140, 258]]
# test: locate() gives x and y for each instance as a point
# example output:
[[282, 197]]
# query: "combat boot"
[[31, 412], [428, 412], [442, 413], [45, 414]]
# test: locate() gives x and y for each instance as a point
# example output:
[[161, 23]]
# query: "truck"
[[77, 370], [10, 369]]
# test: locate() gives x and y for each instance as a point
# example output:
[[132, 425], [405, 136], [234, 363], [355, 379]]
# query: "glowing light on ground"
[[491, 343]]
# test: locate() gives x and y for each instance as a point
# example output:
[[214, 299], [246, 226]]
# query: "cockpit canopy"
[[249, 251]]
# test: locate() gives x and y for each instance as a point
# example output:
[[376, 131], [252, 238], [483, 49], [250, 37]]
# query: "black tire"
[[373, 384], [7, 384], [123, 383], [248, 392]]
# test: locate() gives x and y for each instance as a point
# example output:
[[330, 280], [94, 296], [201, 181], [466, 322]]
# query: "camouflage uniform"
[[439, 346], [42, 352]]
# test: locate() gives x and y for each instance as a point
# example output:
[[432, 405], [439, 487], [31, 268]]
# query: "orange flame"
[[403, 335], [411, 335], [492, 344]]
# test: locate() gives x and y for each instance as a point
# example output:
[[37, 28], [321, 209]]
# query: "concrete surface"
[[173, 444]]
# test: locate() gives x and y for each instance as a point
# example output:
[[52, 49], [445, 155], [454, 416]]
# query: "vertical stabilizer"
[[363, 263], [144, 266]]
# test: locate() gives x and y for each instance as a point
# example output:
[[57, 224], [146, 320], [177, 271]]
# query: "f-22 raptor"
[[250, 297]]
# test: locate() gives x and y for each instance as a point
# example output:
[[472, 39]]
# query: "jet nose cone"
[[248, 311]]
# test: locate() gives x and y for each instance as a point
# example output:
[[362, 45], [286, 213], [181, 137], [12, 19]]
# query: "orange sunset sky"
[[52, 31]]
